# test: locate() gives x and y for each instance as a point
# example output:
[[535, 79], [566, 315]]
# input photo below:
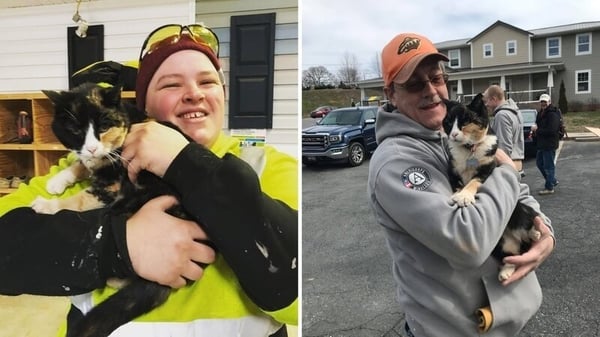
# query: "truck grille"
[[315, 140]]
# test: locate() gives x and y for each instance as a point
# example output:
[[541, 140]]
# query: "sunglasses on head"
[[414, 86], [171, 34]]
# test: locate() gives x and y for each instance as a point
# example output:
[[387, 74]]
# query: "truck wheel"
[[356, 154]]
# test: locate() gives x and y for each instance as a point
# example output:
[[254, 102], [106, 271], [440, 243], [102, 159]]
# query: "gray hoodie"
[[507, 125], [441, 252]]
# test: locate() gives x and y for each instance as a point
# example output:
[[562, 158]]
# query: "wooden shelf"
[[36, 158], [7, 190], [31, 147]]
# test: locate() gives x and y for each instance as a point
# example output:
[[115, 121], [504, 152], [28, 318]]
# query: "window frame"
[[588, 81], [559, 47], [457, 58], [508, 53], [578, 44], [491, 49]]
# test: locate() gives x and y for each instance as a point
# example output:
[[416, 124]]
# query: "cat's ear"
[[111, 96], [478, 106], [54, 96]]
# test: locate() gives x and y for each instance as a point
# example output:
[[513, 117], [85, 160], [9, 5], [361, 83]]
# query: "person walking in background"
[[507, 124], [441, 252], [545, 131]]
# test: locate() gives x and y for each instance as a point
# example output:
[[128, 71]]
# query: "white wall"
[[33, 40]]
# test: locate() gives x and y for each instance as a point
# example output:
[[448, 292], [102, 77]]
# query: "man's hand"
[[162, 247], [531, 259]]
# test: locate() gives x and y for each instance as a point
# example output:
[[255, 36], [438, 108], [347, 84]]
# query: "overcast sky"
[[331, 28]]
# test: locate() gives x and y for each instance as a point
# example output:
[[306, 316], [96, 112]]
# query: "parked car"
[[321, 111], [346, 134], [529, 116]]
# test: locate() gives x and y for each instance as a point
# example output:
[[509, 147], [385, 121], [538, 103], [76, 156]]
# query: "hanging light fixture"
[[82, 25]]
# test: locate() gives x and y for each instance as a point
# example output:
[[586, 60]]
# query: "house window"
[[552, 47], [511, 47], [584, 44], [583, 81], [488, 50], [454, 56]]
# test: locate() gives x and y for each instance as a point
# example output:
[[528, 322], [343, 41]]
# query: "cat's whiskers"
[[71, 114]]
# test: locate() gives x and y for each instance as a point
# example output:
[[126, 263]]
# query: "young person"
[[507, 124], [250, 286], [441, 252]]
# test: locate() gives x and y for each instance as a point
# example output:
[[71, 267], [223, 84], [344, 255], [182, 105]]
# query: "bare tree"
[[316, 77], [348, 72], [376, 65]]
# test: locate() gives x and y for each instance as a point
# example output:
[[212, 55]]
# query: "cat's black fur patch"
[[521, 220], [102, 107]]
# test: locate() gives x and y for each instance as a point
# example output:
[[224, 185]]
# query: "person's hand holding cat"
[[534, 257], [151, 146], [162, 247]]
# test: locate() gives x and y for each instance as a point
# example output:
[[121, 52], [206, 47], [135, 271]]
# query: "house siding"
[[498, 37], [531, 59], [217, 15], [37, 58]]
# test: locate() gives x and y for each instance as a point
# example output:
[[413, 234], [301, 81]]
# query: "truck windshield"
[[341, 117]]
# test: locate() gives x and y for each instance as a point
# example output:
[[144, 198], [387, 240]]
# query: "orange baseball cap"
[[401, 56]]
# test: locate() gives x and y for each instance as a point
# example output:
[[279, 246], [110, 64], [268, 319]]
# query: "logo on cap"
[[409, 44]]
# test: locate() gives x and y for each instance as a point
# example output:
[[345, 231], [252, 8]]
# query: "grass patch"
[[577, 121], [340, 98]]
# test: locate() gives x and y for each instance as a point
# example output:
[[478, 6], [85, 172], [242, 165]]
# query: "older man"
[[441, 252]]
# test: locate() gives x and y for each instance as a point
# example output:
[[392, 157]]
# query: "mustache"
[[425, 103]]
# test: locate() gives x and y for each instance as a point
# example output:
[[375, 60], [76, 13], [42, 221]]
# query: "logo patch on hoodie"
[[416, 178]]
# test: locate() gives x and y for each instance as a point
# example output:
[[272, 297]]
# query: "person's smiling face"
[[423, 106], [186, 90]]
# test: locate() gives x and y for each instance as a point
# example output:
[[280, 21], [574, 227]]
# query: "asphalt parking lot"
[[347, 287]]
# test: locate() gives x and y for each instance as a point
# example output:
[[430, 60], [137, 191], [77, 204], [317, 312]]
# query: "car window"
[[349, 117], [370, 114], [528, 116]]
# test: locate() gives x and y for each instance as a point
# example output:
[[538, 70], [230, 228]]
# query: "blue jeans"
[[544, 160]]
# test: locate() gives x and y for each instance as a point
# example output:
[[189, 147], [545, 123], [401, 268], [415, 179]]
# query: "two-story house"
[[525, 63]]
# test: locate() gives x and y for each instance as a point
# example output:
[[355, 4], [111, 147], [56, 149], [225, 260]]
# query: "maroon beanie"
[[150, 63]]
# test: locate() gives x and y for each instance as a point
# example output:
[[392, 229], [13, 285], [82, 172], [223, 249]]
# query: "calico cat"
[[93, 122], [472, 156]]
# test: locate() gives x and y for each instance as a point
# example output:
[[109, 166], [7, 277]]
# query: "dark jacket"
[[548, 122]]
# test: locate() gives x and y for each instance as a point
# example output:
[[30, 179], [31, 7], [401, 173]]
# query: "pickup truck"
[[346, 134]]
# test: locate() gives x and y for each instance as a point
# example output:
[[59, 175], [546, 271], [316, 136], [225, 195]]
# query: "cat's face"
[[467, 125], [87, 122]]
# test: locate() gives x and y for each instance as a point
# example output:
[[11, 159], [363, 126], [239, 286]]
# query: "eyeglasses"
[[418, 86], [171, 34]]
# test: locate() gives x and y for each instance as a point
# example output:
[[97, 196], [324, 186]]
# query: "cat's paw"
[[45, 206], [506, 272], [117, 283], [57, 184], [463, 198], [535, 235]]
